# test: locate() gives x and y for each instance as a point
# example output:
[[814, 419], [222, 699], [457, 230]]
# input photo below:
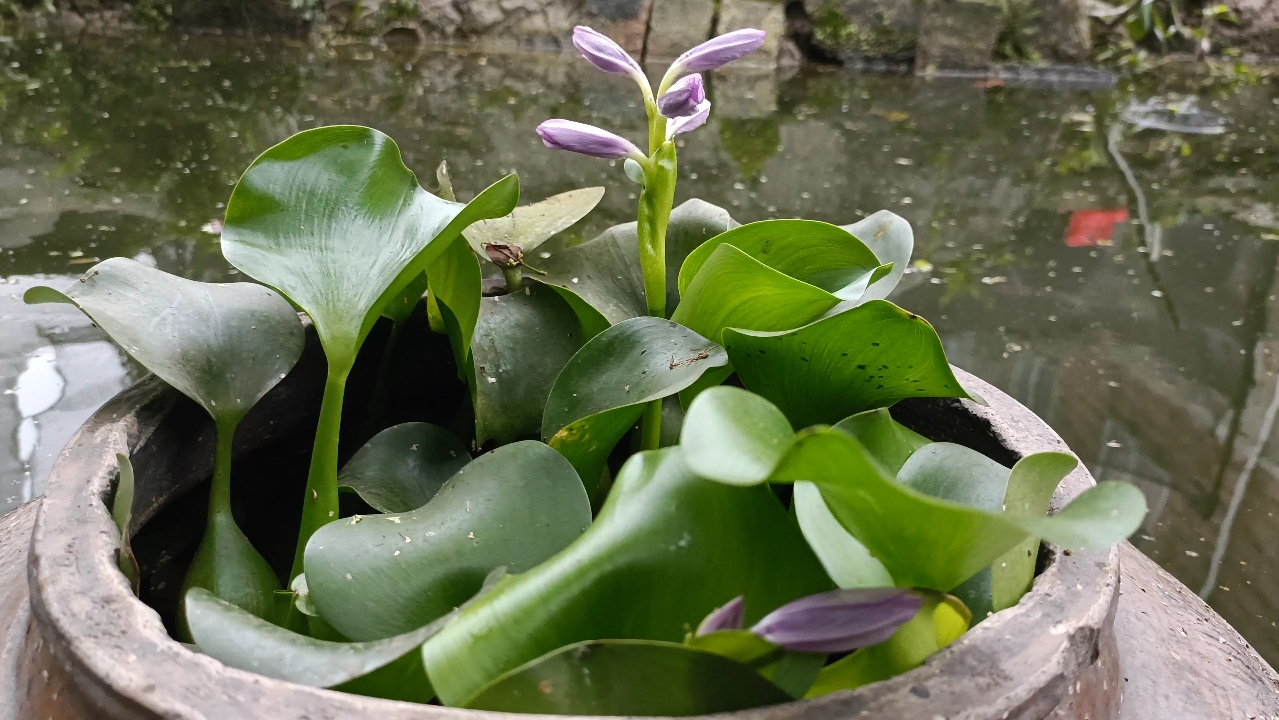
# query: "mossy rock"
[[860, 29]]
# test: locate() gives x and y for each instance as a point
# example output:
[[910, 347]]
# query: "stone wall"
[[936, 35]]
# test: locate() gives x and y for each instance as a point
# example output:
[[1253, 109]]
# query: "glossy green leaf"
[[734, 290], [639, 572], [222, 345], [603, 389], [403, 466], [122, 515], [890, 442], [737, 437], [333, 219], [941, 621], [629, 678], [1028, 491], [381, 575], [390, 668], [933, 543], [605, 272], [522, 342], [868, 357], [454, 279], [816, 253], [734, 436], [889, 236], [528, 226], [846, 560]]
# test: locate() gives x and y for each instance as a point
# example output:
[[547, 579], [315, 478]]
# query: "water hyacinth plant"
[[590, 514]]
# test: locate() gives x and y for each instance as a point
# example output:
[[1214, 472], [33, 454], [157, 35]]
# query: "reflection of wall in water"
[[1187, 414], [57, 370]]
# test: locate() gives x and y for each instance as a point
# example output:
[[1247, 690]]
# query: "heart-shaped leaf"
[[666, 549], [932, 543], [605, 272], [333, 219], [522, 342], [629, 678], [528, 226], [222, 345], [390, 668], [890, 442], [868, 357], [603, 389], [889, 236], [733, 289], [403, 466], [941, 621], [381, 575], [815, 253], [921, 540]]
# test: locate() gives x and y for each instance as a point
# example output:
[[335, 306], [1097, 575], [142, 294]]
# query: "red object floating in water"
[[1093, 227]]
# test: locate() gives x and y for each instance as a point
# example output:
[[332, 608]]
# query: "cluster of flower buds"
[[829, 622], [682, 99]]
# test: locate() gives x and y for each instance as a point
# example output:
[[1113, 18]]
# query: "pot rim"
[[1020, 663]]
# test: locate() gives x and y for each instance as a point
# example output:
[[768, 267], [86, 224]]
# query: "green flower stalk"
[[679, 106]]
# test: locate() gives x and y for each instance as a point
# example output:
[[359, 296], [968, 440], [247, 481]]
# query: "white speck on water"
[[1192, 553]]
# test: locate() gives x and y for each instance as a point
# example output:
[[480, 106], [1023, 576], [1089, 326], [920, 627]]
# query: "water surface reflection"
[[1118, 281]]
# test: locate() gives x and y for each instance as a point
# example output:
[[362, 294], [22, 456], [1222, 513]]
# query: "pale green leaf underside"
[[238, 639], [528, 226]]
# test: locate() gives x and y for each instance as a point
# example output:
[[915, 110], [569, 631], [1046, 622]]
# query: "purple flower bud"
[[679, 126], [728, 616], [600, 51], [683, 98], [718, 51], [586, 139], [840, 620]]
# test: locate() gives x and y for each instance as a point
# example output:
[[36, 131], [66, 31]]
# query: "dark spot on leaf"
[[804, 359], [875, 344], [861, 367]]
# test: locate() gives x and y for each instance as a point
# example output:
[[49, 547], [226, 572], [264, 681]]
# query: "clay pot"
[[1051, 655]]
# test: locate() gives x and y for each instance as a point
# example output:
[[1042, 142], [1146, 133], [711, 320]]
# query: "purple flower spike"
[[679, 126], [719, 51], [683, 98], [728, 616], [840, 620], [586, 139], [600, 51]]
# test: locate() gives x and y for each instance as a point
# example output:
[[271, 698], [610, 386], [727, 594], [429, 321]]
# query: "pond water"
[[1105, 261]]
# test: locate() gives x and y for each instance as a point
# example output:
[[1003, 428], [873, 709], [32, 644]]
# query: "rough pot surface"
[[1053, 651]]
